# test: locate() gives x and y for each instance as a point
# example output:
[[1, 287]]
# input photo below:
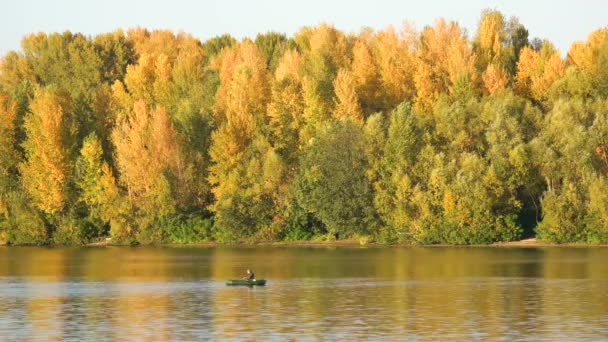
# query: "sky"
[[560, 21]]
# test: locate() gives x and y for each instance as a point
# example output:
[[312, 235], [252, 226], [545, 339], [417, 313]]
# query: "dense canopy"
[[388, 136]]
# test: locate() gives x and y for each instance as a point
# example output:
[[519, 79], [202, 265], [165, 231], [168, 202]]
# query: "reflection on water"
[[312, 293]]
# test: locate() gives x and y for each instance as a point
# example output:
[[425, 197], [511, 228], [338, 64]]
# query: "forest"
[[389, 136]]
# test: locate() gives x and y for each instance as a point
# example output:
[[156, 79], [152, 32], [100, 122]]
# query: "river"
[[312, 293]]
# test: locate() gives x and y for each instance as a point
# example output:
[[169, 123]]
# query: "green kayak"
[[258, 282]]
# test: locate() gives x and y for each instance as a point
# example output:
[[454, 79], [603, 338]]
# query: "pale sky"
[[560, 21]]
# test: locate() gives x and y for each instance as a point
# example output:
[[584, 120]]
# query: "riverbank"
[[531, 242]]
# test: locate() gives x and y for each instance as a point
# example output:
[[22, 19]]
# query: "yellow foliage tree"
[[591, 58], [243, 95], [327, 40], [347, 103], [553, 69], [537, 71], [585, 54], [395, 57], [290, 67], [494, 79], [489, 40], [146, 151], [286, 107], [157, 42], [140, 78], [98, 190], [8, 154], [14, 70], [526, 69], [444, 58], [46, 170], [367, 79]]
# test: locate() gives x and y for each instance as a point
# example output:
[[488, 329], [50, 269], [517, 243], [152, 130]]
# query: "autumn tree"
[[106, 206], [537, 71], [366, 76], [587, 74], [347, 101], [46, 172], [247, 171], [151, 135], [395, 56], [286, 108], [182, 83], [150, 163], [67, 61], [115, 52], [325, 51], [445, 64], [243, 94], [9, 158], [272, 46], [8, 151], [496, 46]]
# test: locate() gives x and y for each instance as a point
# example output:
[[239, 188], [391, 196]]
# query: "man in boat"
[[250, 275]]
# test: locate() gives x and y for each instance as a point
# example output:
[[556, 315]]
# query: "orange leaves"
[[287, 97], [580, 55], [494, 79], [149, 78], [244, 91], [8, 154], [347, 104], [489, 28], [489, 40], [46, 170], [445, 48], [161, 42], [395, 59], [167, 64], [364, 69], [8, 108], [140, 77], [290, 67], [444, 58], [554, 69], [163, 135], [585, 55], [591, 58], [326, 40], [537, 71], [145, 148], [526, 68]]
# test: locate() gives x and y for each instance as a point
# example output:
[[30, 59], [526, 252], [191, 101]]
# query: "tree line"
[[391, 136]]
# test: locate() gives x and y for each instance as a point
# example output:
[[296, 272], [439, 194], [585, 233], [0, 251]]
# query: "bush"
[[191, 229], [25, 225], [301, 225], [73, 231]]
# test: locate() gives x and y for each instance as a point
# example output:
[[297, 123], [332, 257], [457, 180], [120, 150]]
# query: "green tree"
[[332, 183], [247, 191], [272, 46], [395, 181]]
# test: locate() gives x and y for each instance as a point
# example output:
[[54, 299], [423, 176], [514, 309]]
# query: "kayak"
[[258, 282]]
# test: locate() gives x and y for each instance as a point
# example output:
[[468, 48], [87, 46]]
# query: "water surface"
[[448, 293]]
